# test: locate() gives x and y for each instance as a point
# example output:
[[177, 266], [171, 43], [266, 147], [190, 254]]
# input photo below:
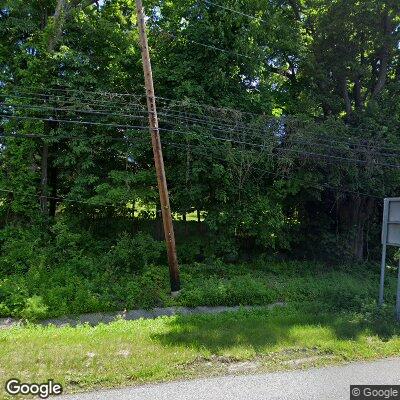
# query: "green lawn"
[[128, 353]]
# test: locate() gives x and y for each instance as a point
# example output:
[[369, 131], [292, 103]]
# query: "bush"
[[215, 291], [70, 271], [148, 289], [13, 295], [132, 253], [337, 290], [21, 249], [34, 309]]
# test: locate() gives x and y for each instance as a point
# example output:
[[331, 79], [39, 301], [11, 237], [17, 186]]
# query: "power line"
[[94, 112], [275, 175], [182, 104], [126, 140], [204, 121], [240, 142], [235, 11], [46, 99], [88, 202], [64, 199], [111, 105], [209, 46], [207, 121], [134, 127], [122, 95], [223, 128]]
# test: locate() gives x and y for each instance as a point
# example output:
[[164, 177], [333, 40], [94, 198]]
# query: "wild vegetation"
[[279, 122]]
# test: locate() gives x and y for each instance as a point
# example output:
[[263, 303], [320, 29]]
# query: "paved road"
[[331, 383]]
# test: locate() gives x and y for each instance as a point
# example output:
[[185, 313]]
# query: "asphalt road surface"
[[313, 384]]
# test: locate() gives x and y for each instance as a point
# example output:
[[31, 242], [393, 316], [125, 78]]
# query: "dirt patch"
[[284, 360], [244, 366]]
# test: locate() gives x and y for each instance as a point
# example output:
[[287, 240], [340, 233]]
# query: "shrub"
[[215, 291], [34, 309], [132, 253], [337, 290], [146, 290], [21, 248], [13, 295]]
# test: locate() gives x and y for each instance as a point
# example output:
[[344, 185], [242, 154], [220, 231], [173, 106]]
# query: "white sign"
[[391, 222], [390, 237]]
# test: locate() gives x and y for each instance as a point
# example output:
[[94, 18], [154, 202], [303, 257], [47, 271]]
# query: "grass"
[[125, 353], [331, 317], [44, 292]]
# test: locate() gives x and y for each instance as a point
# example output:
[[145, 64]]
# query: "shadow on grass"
[[263, 331]]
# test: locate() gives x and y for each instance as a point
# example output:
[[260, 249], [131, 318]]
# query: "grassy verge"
[[45, 292], [124, 353]]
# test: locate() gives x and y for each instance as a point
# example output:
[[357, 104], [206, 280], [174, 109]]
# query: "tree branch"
[[285, 73], [357, 93], [383, 56], [83, 3], [58, 24], [296, 9], [345, 93]]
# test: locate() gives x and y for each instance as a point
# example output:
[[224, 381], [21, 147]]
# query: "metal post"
[[398, 294], [157, 151], [382, 283], [384, 245]]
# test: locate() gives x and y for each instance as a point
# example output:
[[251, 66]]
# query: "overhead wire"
[[208, 46], [234, 11], [225, 139], [275, 175], [66, 200], [208, 123], [124, 204], [215, 127], [234, 141]]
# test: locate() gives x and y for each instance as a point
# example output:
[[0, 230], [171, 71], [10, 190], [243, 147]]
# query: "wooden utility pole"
[[157, 150]]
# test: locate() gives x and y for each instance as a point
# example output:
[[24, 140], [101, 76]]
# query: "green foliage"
[[88, 284], [34, 309], [298, 185], [74, 273], [237, 290], [133, 253], [329, 69], [13, 295], [21, 249], [337, 290]]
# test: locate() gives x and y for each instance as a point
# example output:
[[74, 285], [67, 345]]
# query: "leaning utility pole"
[[157, 151]]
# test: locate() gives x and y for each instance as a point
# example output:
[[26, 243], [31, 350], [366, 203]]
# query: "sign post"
[[390, 237]]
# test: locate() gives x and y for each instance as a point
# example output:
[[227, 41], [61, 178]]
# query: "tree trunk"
[[53, 183], [383, 55], [159, 223], [44, 178], [58, 24], [354, 215], [345, 94], [184, 219], [357, 94]]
